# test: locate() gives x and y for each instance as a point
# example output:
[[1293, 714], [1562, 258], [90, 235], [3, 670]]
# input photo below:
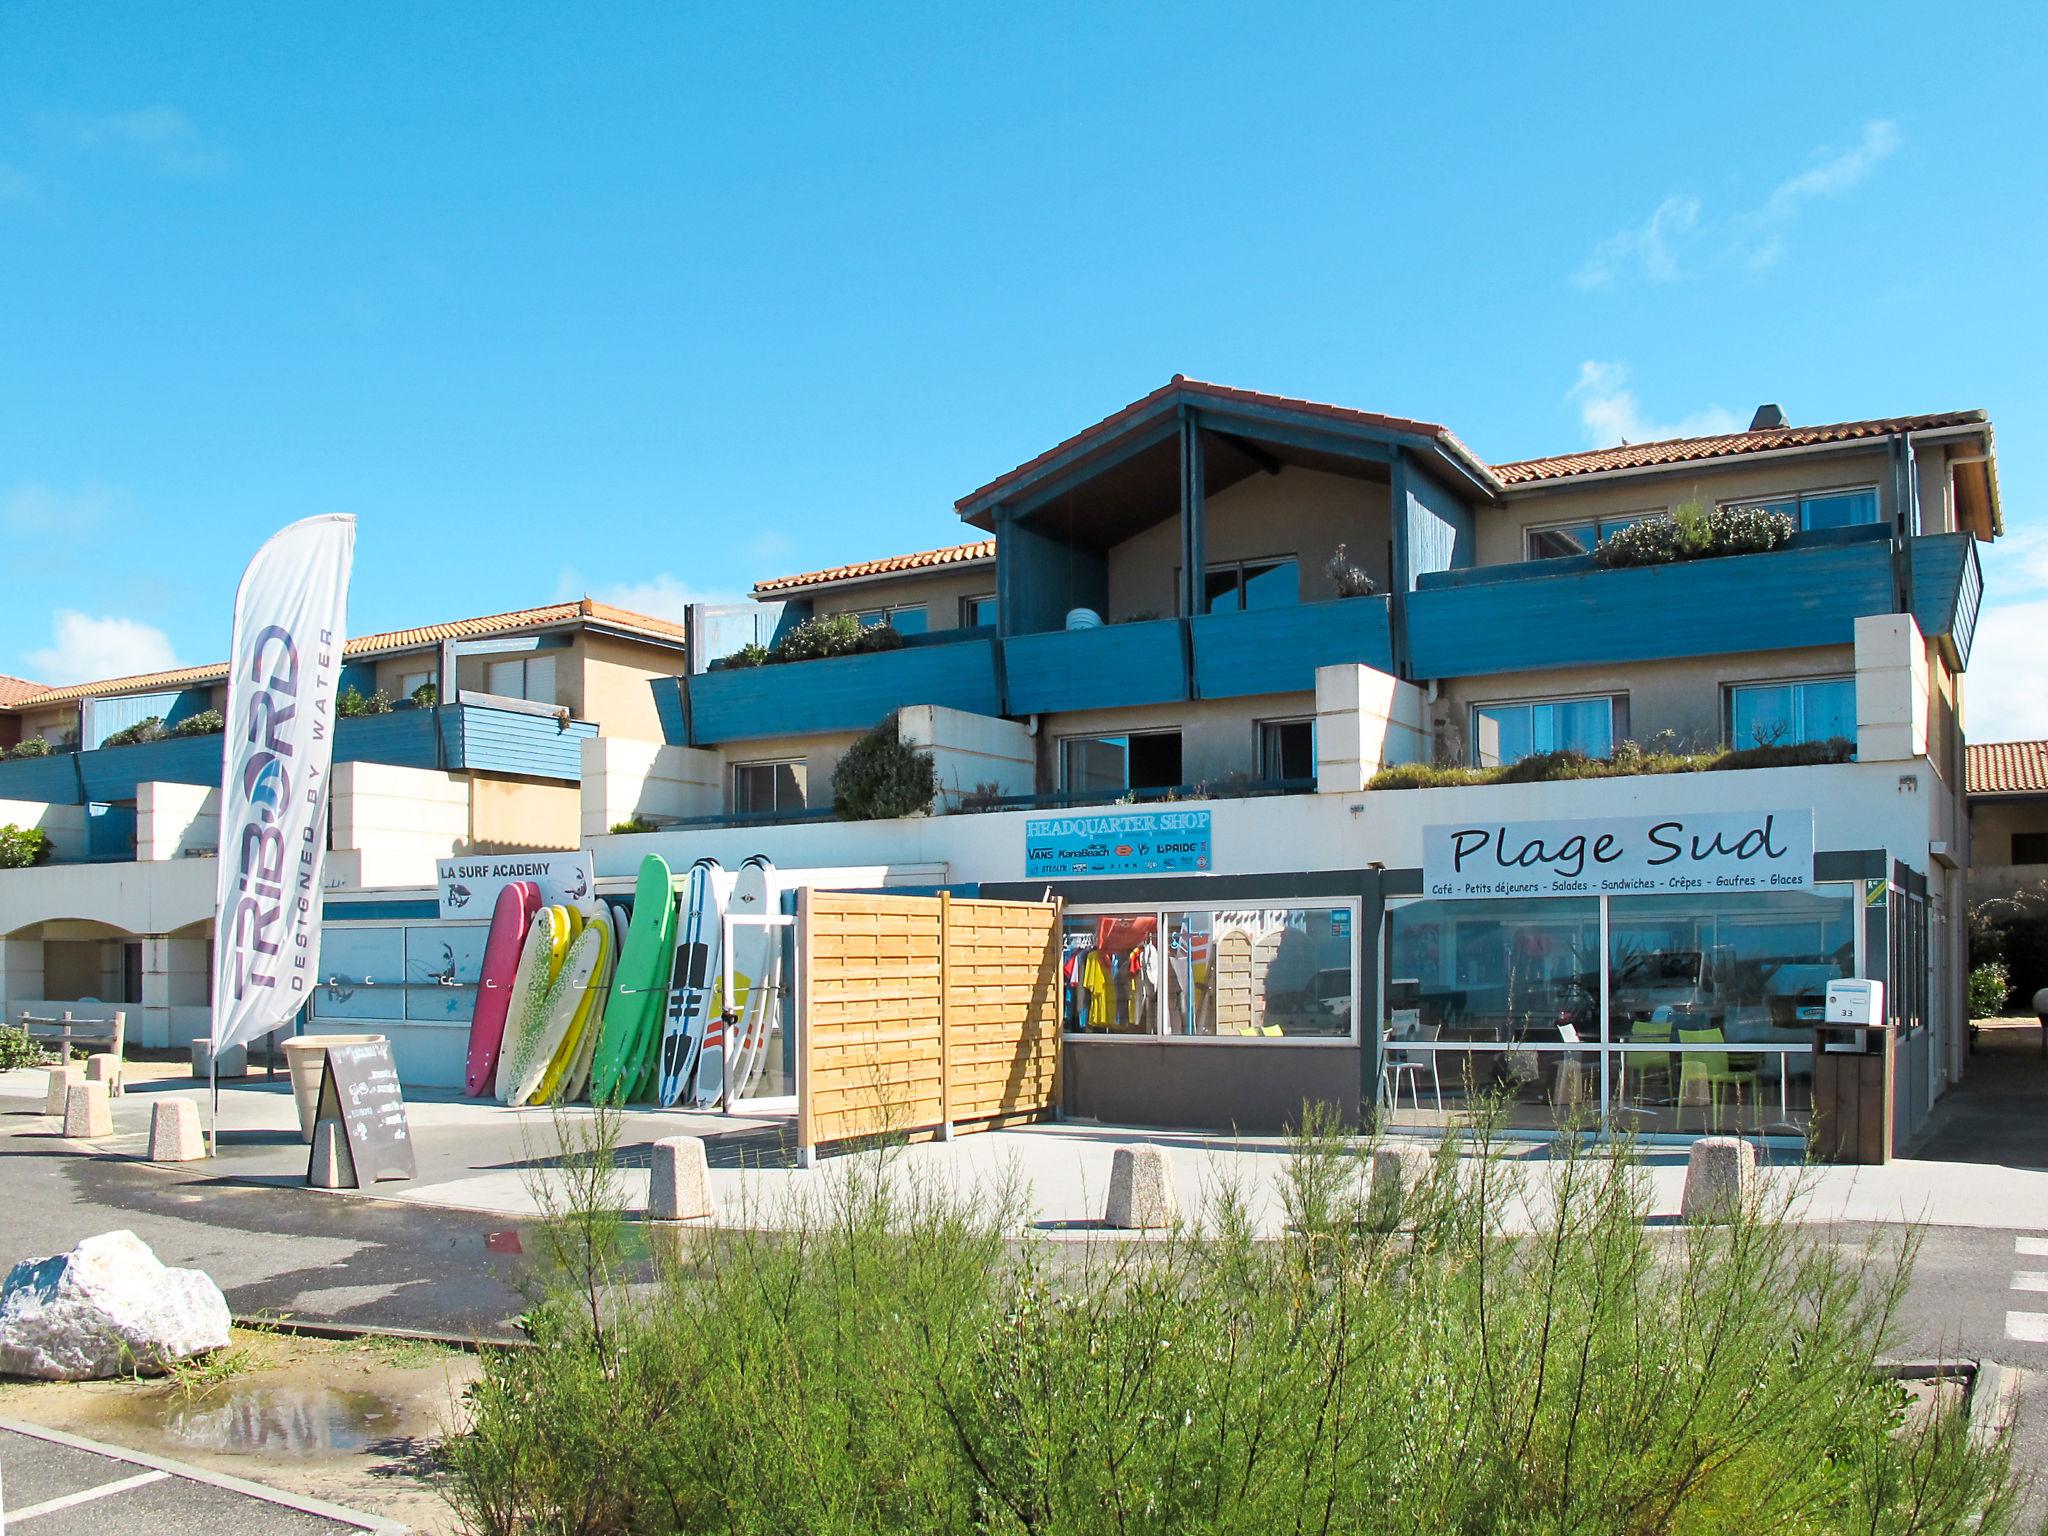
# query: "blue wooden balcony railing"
[[1277, 650]]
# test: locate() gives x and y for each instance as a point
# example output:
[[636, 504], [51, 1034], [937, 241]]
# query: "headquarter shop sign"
[[1117, 843], [1710, 852]]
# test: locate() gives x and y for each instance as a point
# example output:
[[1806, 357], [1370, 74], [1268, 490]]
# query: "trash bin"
[[306, 1055]]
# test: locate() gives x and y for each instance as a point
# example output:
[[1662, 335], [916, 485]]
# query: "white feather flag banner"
[[284, 670]]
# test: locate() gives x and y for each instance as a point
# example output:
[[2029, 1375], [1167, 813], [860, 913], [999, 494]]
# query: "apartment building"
[[123, 777], [2008, 789], [1217, 615]]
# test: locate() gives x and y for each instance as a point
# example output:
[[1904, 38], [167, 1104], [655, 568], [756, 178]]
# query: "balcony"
[[1107, 668], [1277, 650], [843, 693], [1948, 587], [1564, 613], [486, 738]]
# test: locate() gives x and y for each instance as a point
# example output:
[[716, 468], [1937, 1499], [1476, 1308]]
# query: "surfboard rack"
[[729, 1004]]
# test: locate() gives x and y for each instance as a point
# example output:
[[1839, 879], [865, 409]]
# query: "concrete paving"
[[55, 1484]]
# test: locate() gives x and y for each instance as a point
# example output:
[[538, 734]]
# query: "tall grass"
[[899, 1358]]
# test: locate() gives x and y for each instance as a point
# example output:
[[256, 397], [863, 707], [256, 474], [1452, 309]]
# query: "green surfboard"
[[639, 986]]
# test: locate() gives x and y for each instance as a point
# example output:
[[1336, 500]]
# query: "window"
[[907, 619], [1240, 584], [1580, 538], [2030, 847], [529, 677], [1287, 749], [1822, 509], [769, 789], [1273, 973], [978, 612], [1785, 714], [1507, 733], [410, 683], [1114, 764]]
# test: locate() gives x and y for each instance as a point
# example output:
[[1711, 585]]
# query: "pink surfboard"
[[509, 919]]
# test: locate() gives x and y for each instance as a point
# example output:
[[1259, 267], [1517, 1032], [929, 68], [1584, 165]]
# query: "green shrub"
[[632, 824], [985, 796], [2013, 931], [354, 703], [903, 1355], [752, 654], [834, 634], [881, 778], [17, 1049], [426, 696], [1629, 758], [1346, 575], [23, 847], [208, 722], [149, 728], [1989, 985], [30, 746], [1693, 531]]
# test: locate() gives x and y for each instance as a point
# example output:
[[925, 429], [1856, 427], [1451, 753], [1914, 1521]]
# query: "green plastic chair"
[[1713, 1071], [1650, 1031]]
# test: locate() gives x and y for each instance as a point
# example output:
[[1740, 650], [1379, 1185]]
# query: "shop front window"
[[1711, 1001], [1271, 973]]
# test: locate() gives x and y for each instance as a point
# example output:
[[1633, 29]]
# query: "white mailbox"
[[1856, 1002]]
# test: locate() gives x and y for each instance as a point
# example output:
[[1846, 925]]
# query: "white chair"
[[1408, 1063]]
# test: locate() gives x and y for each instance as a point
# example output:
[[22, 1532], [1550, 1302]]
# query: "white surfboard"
[[567, 1000], [576, 1082], [757, 985], [530, 983], [690, 982], [723, 1031]]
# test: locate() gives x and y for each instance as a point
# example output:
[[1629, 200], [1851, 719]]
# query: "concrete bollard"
[[174, 1135], [87, 1114], [332, 1166], [234, 1062], [679, 1180], [1140, 1190], [62, 1080], [1720, 1176], [105, 1067], [1398, 1170]]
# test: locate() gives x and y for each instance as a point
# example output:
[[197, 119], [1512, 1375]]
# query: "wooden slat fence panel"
[[917, 1014]]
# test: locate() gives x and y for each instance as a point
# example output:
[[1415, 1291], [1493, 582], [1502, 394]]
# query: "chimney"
[[1768, 418]]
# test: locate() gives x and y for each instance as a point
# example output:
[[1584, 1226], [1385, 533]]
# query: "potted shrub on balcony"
[[1695, 531], [1347, 575]]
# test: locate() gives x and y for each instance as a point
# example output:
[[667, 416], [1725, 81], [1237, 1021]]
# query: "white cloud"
[[84, 648], [1650, 246], [1678, 231], [2004, 697], [1610, 414], [161, 137], [664, 596], [33, 507]]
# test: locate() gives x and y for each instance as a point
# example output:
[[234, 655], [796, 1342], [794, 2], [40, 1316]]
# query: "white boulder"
[[109, 1307]]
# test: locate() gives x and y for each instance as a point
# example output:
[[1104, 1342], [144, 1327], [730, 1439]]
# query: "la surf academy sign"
[[1712, 851], [469, 888]]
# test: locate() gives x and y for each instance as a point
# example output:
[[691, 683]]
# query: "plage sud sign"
[[1709, 851]]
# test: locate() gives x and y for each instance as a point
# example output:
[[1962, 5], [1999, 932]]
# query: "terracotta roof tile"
[[14, 689], [2006, 768], [1684, 450], [887, 565], [583, 610]]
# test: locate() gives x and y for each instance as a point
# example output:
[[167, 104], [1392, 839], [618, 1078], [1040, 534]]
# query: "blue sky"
[[653, 300]]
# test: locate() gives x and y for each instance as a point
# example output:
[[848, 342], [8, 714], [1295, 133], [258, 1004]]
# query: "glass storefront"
[[1208, 973], [1667, 1013]]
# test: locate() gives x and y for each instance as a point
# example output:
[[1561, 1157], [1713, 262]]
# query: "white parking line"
[[2030, 1280], [2027, 1327], [72, 1500], [2031, 1247]]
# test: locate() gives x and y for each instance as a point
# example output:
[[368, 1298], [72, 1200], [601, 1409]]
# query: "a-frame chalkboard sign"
[[359, 1088]]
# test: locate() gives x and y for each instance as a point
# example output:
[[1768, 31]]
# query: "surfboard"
[[538, 962], [638, 981], [540, 1051], [762, 1013], [576, 1078], [509, 920], [724, 1035], [689, 996], [582, 998]]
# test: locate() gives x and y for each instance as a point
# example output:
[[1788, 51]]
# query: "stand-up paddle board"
[[757, 985], [689, 996], [509, 922], [639, 981], [724, 1034], [575, 1081], [540, 1061], [546, 941]]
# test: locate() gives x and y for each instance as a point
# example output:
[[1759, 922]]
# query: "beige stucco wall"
[[1993, 822], [1302, 513], [819, 755], [940, 592], [1500, 531], [609, 680], [1683, 695], [512, 814], [393, 670]]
